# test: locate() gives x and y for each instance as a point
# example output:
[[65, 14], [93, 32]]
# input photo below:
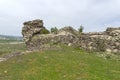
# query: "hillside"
[[64, 64], [61, 56], [6, 37]]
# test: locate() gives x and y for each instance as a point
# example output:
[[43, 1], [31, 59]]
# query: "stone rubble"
[[108, 40]]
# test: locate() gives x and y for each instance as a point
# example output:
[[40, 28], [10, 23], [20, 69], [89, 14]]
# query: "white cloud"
[[93, 14]]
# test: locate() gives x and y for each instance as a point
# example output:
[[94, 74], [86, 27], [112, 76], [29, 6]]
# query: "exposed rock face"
[[108, 40], [30, 29], [68, 29], [102, 41]]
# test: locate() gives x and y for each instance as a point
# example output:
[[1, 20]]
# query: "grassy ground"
[[7, 47], [7, 41], [65, 64]]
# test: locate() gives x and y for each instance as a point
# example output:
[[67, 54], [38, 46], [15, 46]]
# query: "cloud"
[[94, 15]]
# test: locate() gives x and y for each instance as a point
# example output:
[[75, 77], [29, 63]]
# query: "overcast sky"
[[94, 15]]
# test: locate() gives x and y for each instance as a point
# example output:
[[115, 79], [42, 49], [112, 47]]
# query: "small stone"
[[108, 50], [69, 44], [5, 71], [115, 50]]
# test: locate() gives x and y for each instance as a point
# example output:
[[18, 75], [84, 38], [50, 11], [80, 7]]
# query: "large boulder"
[[113, 31], [32, 28], [68, 30]]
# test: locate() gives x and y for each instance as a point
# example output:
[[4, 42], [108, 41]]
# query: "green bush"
[[44, 31], [81, 29], [54, 30]]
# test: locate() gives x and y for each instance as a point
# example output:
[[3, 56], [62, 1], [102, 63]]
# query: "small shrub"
[[81, 29], [54, 30], [45, 31]]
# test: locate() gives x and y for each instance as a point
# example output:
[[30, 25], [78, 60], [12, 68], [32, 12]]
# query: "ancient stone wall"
[[108, 40], [30, 29]]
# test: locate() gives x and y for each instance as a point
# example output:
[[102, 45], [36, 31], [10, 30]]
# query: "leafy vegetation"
[[81, 29], [65, 64], [45, 31], [54, 30]]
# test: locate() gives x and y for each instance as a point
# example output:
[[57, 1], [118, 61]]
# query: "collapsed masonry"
[[108, 40]]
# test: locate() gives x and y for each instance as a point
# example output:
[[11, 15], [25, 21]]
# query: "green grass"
[[65, 64], [6, 47], [7, 41]]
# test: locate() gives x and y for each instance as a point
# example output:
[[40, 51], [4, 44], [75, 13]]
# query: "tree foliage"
[[81, 29], [45, 31], [54, 30]]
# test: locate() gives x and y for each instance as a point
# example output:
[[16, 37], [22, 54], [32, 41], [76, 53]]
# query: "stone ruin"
[[108, 40], [30, 29]]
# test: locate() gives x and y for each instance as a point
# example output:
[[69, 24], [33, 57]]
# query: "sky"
[[94, 15]]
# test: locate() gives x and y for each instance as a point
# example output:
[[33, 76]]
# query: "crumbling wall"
[[108, 40], [30, 29]]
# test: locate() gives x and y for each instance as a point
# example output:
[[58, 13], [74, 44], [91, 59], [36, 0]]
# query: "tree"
[[81, 29], [44, 31], [54, 30]]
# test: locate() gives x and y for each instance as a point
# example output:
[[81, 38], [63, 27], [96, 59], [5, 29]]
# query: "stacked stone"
[[99, 41], [109, 30], [30, 28], [68, 30]]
